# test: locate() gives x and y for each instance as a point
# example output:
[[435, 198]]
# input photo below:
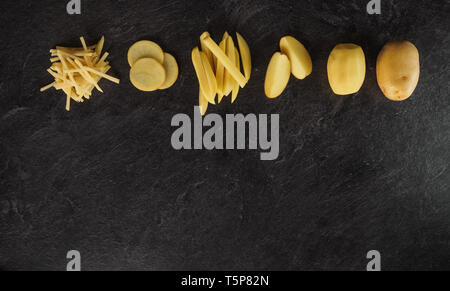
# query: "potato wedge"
[[222, 57], [210, 77], [277, 76], [200, 71], [147, 74], [220, 69], [145, 49], [245, 56], [171, 67], [202, 103], [228, 79], [235, 91], [301, 63]]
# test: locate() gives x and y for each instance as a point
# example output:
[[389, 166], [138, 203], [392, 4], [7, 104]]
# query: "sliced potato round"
[[147, 74], [145, 49], [171, 67]]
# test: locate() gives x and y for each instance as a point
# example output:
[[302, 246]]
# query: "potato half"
[[145, 49], [171, 67], [277, 76], [301, 63], [147, 74]]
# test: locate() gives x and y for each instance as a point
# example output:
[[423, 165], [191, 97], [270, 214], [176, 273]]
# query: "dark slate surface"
[[354, 174]]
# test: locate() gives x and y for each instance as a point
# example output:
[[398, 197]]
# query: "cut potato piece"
[[145, 49], [147, 74], [236, 85], [222, 57], [228, 79], [277, 76], [220, 69], [245, 56], [202, 103], [200, 71], [210, 77], [301, 63], [171, 67]]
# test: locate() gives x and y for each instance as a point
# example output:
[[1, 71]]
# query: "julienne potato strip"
[[77, 71]]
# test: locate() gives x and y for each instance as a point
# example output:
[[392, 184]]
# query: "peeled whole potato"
[[147, 75], [301, 63], [398, 70], [171, 67], [346, 69], [277, 76]]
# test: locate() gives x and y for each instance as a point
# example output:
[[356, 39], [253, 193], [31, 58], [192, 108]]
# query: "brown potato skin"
[[398, 70]]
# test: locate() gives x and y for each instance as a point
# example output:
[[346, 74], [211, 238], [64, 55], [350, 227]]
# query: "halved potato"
[[171, 67], [147, 74], [301, 63], [277, 76], [245, 55], [145, 49]]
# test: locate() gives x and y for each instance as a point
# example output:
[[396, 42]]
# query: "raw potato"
[[235, 91], [77, 71], [145, 49], [301, 63], [222, 57], [147, 74], [171, 67], [210, 77], [197, 61], [220, 69], [245, 55], [398, 70], [228, 79], [202, 103], [346, 69], [277, 76]]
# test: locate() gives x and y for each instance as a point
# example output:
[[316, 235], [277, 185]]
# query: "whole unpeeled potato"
[[398, 70]]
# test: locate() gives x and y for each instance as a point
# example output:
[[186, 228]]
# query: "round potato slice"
[[171, 67], [147, 75], [145, 49]]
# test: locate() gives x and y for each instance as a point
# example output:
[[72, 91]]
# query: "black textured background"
[[354, 174]]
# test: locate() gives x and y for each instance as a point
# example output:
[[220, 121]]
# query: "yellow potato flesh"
[[229, 80], [212, 83], [398, 70], [171, 67], [200, 71], [147, 74], [220, 69], [346, 69], [301, 63], [202, 103], [277, 76], [236, 85], [245, 55], [224, 59], [145, 49]]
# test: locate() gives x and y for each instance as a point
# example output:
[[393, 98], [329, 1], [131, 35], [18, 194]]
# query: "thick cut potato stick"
[[236, 85], [220, 69], [224, 59]]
